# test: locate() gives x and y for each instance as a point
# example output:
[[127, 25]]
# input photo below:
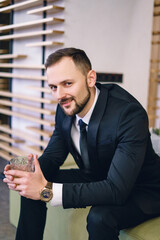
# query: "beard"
[[78, 106]]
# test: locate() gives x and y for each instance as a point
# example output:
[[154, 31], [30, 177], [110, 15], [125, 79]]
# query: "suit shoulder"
[[117, 92], [119, 100]]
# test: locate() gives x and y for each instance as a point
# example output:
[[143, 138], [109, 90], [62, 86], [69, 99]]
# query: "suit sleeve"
[[56, 151], [132, 136]]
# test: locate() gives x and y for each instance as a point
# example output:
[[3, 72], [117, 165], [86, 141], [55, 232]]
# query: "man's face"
[[69, 86]]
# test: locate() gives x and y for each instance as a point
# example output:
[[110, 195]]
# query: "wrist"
[[46, 193]]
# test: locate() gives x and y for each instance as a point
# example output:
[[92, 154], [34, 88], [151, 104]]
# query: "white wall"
[[116, 35]]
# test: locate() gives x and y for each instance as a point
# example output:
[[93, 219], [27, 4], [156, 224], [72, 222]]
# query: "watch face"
[[46, 195]]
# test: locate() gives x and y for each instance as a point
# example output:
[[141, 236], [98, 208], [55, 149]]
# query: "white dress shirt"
[[75, 135]]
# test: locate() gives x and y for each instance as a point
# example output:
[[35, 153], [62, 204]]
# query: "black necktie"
[[83, 143]]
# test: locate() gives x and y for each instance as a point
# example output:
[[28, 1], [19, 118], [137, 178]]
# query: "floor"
[[7, 231]]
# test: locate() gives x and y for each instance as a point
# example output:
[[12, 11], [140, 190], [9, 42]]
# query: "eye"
[[68, 84], [53, 88]]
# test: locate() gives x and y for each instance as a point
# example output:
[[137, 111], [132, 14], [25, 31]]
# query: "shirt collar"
[[87, 117]]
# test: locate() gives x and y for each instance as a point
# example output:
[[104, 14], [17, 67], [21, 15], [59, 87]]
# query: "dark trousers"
[[103, 222]]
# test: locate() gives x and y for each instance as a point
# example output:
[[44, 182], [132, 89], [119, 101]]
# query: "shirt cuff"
[[57, 195]]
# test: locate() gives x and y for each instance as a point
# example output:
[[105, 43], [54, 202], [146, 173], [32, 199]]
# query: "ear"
[[91, 78]]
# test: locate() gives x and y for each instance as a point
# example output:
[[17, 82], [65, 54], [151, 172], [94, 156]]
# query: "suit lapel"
[[94, 125], [66, 127]]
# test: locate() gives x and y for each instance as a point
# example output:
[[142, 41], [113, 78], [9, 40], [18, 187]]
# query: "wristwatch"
[[46, 194]]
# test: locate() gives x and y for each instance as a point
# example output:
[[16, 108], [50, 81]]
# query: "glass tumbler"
[[22, 163]]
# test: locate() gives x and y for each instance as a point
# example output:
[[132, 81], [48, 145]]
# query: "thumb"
[[36, 163]]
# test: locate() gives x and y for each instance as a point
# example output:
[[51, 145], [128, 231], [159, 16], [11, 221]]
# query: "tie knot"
[[82, 125]]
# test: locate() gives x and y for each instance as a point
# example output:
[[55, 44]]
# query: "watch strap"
[[49, 185]]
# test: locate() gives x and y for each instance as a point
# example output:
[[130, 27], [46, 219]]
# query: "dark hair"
[[78, 56]]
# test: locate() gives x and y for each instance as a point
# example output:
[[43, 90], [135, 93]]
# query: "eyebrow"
[[52, 85]]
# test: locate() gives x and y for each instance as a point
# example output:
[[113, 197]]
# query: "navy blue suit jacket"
[[122, 160]]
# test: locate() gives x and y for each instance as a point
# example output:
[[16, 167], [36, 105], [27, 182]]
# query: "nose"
[[60, 93]]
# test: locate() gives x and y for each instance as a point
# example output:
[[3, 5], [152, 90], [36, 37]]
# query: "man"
[[118, 172]]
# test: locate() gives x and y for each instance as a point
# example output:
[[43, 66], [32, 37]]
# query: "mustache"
[[61, 101]]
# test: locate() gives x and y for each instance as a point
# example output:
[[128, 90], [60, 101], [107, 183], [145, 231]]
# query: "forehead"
[[63, 70]]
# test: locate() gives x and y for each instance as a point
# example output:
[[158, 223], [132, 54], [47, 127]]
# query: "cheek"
[[78, 91], [53, 94], [83, 92]]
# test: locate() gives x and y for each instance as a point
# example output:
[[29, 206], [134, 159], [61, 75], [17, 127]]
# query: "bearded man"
[[106, 131]]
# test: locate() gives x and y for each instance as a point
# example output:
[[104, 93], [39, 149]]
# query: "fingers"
[[12, 186], [15, 187], [10, 183], [15, 173], [7, 167], [12, 180], [15, 184], [30, 157], [35, 157], [9, 178]]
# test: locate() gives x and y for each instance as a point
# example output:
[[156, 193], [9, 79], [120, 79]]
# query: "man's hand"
[[28, 184]]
